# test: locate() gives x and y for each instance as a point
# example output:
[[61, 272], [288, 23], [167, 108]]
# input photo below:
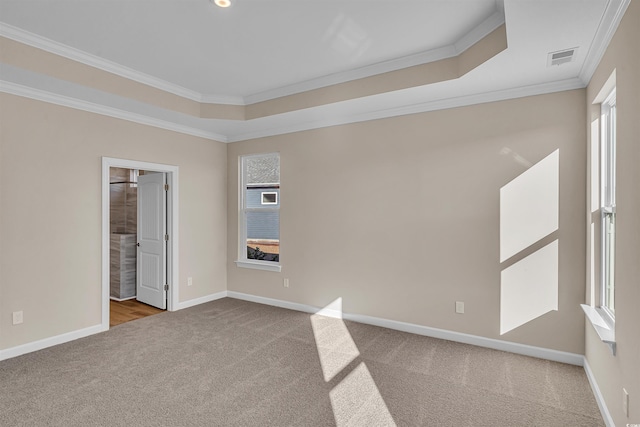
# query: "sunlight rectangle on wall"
[[529, 206], [529, 288]]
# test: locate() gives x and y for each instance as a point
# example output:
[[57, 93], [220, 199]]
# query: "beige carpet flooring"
[[235, 363]]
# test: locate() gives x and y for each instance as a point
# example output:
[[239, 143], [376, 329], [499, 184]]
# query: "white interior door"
[[152, 246]]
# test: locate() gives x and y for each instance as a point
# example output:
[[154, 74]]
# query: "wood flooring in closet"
[[128, 310]]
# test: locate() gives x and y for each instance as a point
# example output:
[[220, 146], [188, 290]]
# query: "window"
[[608, 203], [269, 198], [259, 212], [600, 308]]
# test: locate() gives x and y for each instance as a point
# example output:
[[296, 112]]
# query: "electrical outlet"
[[189, 281], [17, 317], [460, 307], [285, 283], [625, 402]]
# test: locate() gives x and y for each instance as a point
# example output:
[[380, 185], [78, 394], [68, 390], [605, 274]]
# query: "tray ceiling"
[[260, 50]]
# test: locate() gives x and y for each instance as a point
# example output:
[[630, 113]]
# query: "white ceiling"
[[261, 49]]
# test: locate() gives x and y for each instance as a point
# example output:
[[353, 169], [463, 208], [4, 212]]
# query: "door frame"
[[172, 229]]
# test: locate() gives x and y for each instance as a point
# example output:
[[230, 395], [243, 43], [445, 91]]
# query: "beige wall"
[[50, 220], [400, 217], [622, 370]]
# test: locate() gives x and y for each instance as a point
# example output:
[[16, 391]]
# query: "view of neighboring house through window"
[[608, 202], [260, 207]]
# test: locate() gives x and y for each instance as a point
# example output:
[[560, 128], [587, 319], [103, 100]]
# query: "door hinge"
[[166, 287], [166, 237], [166, 187]]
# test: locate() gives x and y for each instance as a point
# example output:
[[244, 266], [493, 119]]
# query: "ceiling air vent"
[[561, 57]]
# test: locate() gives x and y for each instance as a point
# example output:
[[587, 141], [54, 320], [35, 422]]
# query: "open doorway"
[[139, 239], [126, 221]]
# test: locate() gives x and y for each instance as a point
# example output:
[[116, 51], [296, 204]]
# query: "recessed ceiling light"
[[222, 3]]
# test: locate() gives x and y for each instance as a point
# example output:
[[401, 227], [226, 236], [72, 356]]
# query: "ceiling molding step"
[[606, 29], [468, 40], [480, 32], [66, 101], [464, 43], [493, 96], [358, 73], [78, 104], [222, 99], [39, 42], [463, 101]]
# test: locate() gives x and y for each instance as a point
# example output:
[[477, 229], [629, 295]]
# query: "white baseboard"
[[121, 299], [275, 302], [527, 350], [81, 333], [524, 349], [201, 300], [49, 342], [604, 411]]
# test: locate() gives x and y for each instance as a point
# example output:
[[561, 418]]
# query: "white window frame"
[[607, 205], [603, 175], [263, 193], [242, 260]]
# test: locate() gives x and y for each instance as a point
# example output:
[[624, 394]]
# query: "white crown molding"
[[34, 40], [527, 350], [480, 32], [463, 101], [465, 42], [482, 98], [606, 29], [349, 75], [78, 104], [222, 99]]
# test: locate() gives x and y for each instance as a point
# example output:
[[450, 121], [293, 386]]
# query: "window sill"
[[257, 265], [605, 330]]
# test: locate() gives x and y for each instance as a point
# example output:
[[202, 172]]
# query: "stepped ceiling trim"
[[473, 36], [44, 88]]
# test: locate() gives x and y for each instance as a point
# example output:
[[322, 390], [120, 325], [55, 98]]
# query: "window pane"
[[608, 177], [263, 235], [609, 159], [263, 169], [609, 261]]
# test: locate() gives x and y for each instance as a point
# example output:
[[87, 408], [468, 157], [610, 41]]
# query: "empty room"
[[320, 213]]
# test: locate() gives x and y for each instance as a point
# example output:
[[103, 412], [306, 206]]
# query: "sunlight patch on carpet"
[[355, 400]]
